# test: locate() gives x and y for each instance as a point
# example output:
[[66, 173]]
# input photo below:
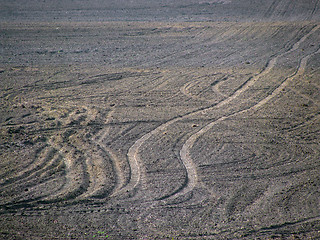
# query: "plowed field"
[[161, 129]]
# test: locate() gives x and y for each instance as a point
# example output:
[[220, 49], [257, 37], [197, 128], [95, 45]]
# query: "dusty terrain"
[[159, 126]]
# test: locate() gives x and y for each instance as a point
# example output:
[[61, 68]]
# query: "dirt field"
[[160, 120]]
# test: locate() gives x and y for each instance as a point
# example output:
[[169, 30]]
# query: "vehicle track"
[[116, 163], [75, 163], [299, 72], [98, 180], [185, 89], [29, 169], [135, 160], [305, 97], [271, 8], [50, 160], [185, 151], [314, 9]]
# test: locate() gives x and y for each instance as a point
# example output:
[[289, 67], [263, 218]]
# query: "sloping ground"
[[160, 10], [160, 131]]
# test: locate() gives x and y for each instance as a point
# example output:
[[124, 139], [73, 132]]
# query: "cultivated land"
[[117, 128]]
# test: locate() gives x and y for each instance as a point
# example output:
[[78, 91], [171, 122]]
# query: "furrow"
[[133, 154], [271, 9], [100, 180], [44, 155], [314, 9], [185, 151], [299, 72], [37, 175]]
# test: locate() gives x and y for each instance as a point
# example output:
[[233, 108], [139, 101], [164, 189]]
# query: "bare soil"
[[174, 121]]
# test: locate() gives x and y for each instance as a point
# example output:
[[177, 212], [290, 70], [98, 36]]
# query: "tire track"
[[72, 148], [121, 180], [185, 151], [34, 166], [216, 87], [299, 72], [313, 119], [97, 166], [305, 97], [314, 9], [77, 179], [49, 161], [185, 89], [52, 160], [116, 165], [134, 158], [271, 9], [269, 66]]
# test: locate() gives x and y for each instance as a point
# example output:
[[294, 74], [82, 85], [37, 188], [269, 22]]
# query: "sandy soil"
[[160, 129]]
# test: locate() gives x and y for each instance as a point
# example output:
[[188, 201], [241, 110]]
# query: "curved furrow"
[[305, 96], [43, 155], [302, 124], [27, 191], [76, 175], [52, 160], [101, 181], [269, 66], [103, 133], [300, 70], [271, 8], [18, 190], [188, 162], [84, 169], [120, 181], [133, 153], [119, 162], [185, 89], [134, 157], [216, 87], [135, 161], [190, 49], [174, 148], [185, 151], [98, 166], [57, 165], [177, 54], [247, 34], [73, 150], [314, 9]]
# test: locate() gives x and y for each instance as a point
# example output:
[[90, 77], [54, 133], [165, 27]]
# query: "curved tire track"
[[185, 151], [133, 153]]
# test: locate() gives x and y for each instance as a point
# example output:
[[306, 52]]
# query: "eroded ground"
[[128, 130]]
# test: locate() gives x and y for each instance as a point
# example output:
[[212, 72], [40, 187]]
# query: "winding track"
[[185, 151], [120, 181], [92, 185], [136, 162]]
